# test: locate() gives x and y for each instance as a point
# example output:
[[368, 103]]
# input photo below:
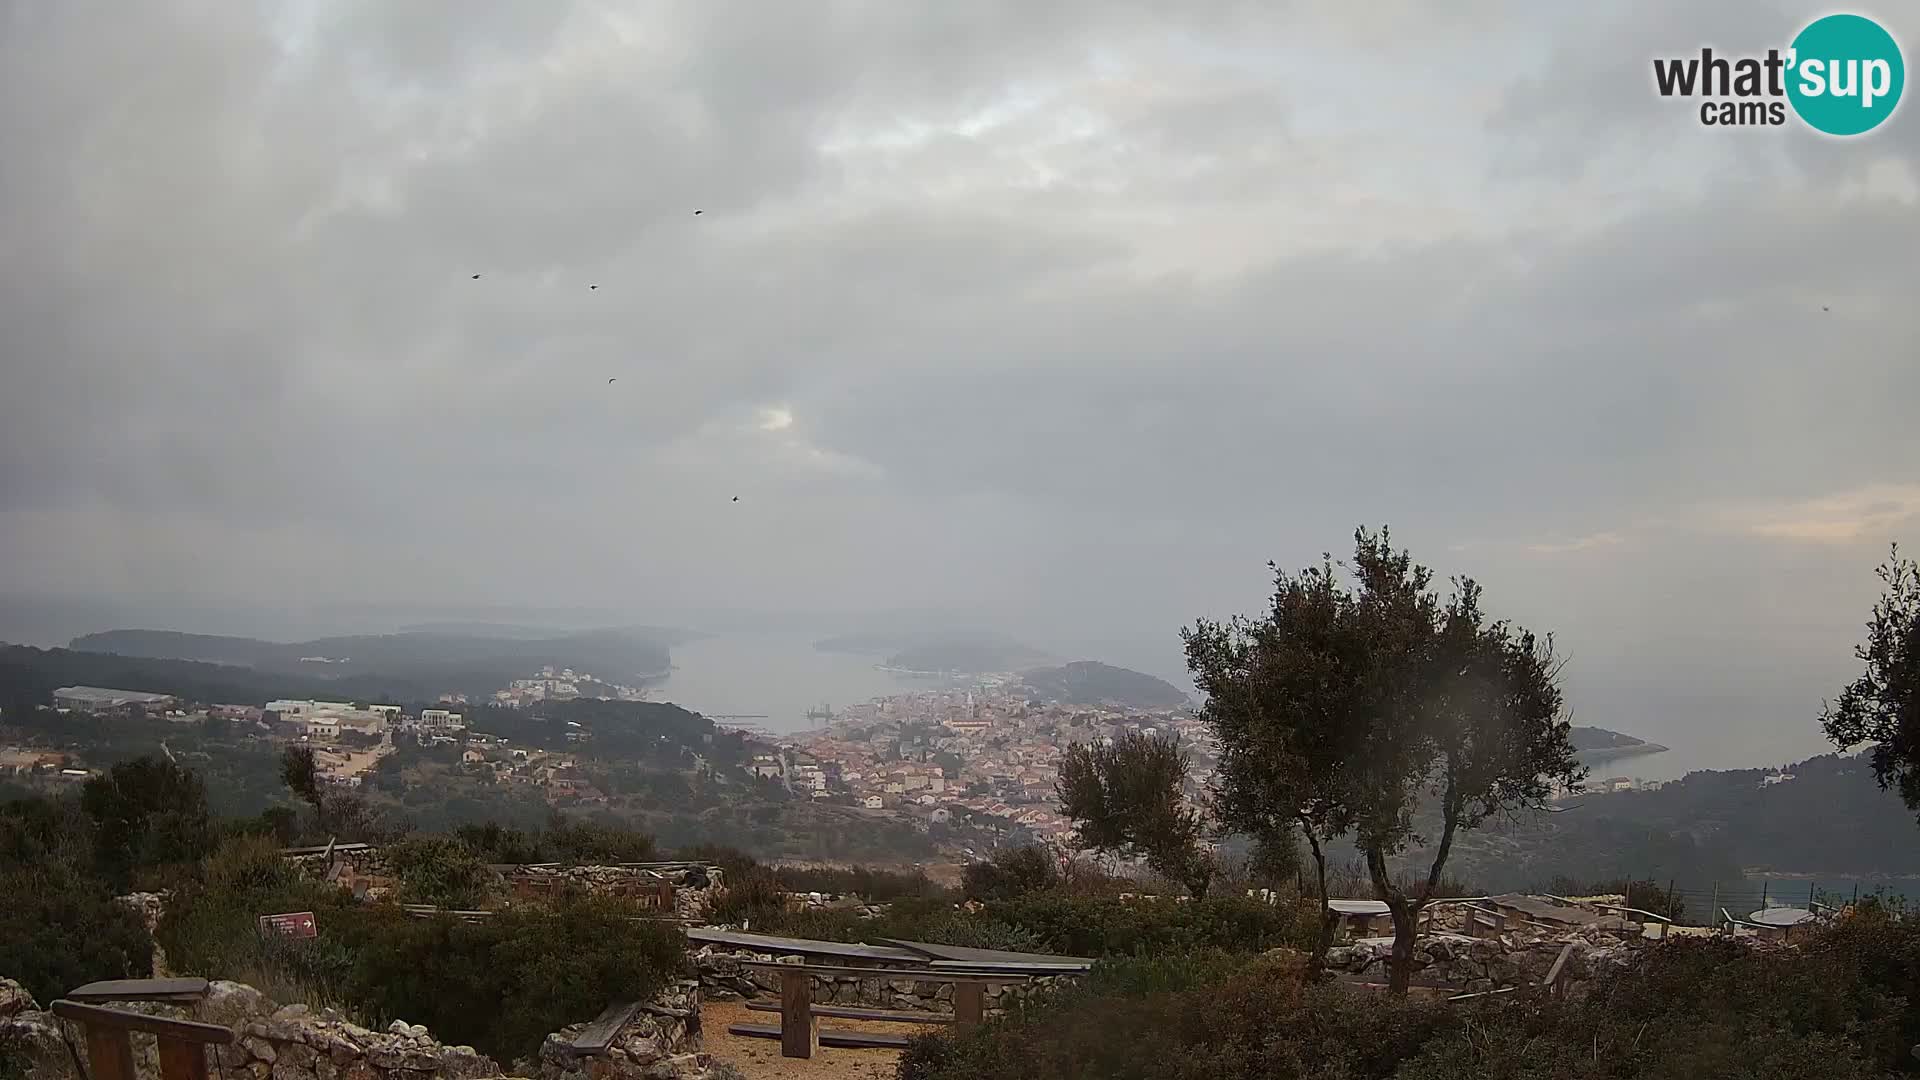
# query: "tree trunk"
[[1322, 941], [1400, 967]]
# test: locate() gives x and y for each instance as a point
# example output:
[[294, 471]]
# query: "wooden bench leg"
[[799, 1032], [182, 1060], [969, 1004], [109, 1054]]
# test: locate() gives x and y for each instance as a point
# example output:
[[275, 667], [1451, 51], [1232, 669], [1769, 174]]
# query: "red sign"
[[298, 924]]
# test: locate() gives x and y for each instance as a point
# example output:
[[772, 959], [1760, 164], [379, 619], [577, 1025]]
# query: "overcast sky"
[[1068, 316]]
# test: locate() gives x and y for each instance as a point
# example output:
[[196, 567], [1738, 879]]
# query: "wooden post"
[[969, 1003], [799, 1032], [109, 1054], [1763, 893], [182, 1060]]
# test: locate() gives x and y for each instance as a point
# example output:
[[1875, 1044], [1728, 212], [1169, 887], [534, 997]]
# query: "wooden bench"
[[597, 1037], [799, 1032], [847, 1012], [845, 1040], [183, 1043]]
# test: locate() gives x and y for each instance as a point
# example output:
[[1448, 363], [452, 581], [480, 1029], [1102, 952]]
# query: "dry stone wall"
[[294, 1042]]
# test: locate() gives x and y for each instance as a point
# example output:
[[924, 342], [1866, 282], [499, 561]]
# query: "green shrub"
[[1104, 926], [147, 813], [60, 927], [500, 984], [1010, 874], [437, 869], [1692, 1009], [753, 897], [503, 983]]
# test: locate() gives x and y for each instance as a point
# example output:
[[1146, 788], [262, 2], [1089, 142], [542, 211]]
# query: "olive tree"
[[1458, 715], [1882, 706], [1362, 702], [1127, 796]]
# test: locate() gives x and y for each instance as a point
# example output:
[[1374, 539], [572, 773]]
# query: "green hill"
[[1088, 682], [467, 663]]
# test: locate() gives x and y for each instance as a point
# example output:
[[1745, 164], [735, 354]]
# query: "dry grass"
[[760, 1059]]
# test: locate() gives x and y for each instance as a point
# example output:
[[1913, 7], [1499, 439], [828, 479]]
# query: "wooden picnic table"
[[799, 1031]]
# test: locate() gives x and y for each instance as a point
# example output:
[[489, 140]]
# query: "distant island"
[[1594, 745], [1088, 682]]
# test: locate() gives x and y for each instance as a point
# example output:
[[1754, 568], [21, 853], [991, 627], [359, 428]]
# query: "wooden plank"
[[845, 1040], [109, 1053], [140, 990], [920, 974], [848, 1012], [93, 1016], [969, 1004], [181, 1059], [799, 1031], [598, 1035]]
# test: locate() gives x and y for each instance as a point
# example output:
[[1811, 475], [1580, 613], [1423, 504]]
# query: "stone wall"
[[367, 871], [662, 1042], [722, 977], [1474, 965]]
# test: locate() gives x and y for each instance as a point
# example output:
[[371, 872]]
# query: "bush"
[[60, 928], [59, 924], [1101, 926], [754, 898], [1693, 1009], [503, 983], [147, 813], [439, 870], [500, 984], [211, 927], [1010, 874]]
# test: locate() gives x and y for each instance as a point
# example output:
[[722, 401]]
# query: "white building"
[[440, 721], [85, 698], [873, 802]]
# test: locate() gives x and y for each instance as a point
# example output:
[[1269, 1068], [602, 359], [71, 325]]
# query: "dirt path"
[[760, 1058]]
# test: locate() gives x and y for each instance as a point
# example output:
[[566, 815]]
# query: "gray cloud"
[[1073, 314]]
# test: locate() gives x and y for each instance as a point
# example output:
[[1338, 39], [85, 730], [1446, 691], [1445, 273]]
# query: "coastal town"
[[960, 760], [987, 754]]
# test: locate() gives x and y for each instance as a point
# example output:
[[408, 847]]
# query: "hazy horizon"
[[1062, 321]]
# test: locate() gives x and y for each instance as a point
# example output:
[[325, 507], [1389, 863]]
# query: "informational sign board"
[[297, 924]]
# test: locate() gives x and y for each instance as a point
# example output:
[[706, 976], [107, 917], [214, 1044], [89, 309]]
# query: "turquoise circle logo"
[[1846, 74]]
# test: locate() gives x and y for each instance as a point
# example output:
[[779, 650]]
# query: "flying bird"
[[476, 277], [1824, 307], [593, 286], [736, 498], [697, 213], [609, 382]]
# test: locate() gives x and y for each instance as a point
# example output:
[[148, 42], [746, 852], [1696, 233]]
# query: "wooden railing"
[[1644, 916], [183, 1043]]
